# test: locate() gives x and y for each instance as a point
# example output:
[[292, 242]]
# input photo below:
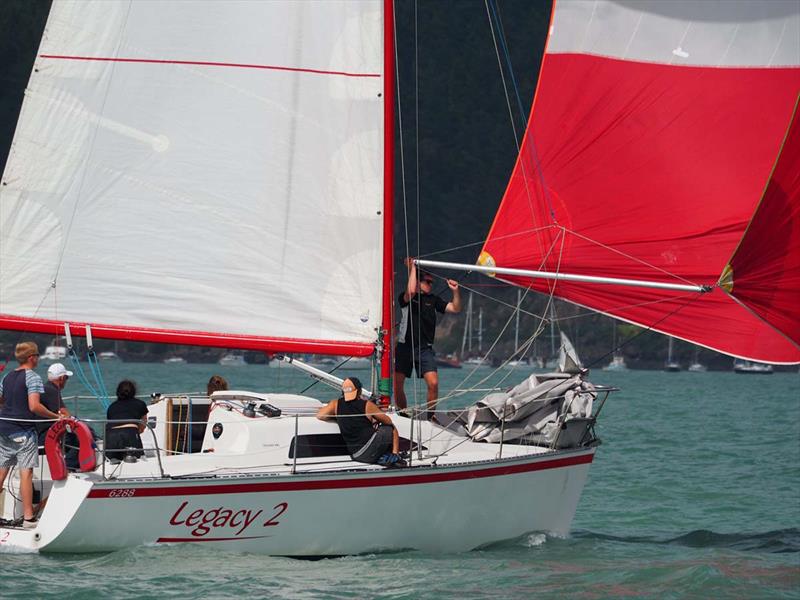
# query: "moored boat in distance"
[[617, 364], [109, 356], [697, 367], [448, 361], [174, 360], [749, 367], [514, 363], [54, 353], [476, 361], [671, 365], [232, 359]]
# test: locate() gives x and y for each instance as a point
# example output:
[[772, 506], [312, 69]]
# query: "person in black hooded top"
[[368, 433], [129, 415]]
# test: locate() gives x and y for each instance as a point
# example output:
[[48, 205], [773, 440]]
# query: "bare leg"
[[26, 491], [432, 379], [395, 441], [399, 390], [40, 506], [3, 473]]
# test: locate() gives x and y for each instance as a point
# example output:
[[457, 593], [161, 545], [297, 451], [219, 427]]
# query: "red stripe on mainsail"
[[202, 63], [653, 172], [766, 265], [397, 479], [192, 338]]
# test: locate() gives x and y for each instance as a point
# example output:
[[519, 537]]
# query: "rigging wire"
[[693, 297], [94, 367], [508, 105]]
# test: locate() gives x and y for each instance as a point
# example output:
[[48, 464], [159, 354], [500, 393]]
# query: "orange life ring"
[[87, 460]]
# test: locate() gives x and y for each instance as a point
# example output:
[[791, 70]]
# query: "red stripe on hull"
[[203, 63], [399, 478]]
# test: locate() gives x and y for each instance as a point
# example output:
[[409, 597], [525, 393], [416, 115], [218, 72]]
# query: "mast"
[[480, 330], [385, 383]]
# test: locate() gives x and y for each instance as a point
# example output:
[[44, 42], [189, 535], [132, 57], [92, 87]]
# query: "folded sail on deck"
[[653, 133], [201, 171]]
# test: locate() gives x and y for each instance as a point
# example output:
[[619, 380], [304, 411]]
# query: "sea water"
[[694, 493]]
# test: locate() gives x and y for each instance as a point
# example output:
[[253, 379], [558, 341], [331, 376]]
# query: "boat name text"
[[201, 521]]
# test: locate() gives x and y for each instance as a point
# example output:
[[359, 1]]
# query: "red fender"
[[55, 455]]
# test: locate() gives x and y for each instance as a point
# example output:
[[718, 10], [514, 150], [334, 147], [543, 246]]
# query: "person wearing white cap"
[[57, 376]]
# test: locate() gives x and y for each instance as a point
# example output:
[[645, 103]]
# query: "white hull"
[[255, 496], [435, 509]]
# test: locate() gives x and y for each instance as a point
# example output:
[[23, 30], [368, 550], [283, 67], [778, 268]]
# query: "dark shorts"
[[118, 442], [379, 444], [425, 361]]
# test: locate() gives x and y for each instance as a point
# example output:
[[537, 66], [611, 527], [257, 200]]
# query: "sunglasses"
[[428, 281], [347, 388]]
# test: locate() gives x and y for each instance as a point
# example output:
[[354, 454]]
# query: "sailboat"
[[617, 360], [747, 367], [466, 341], [54, 353], [697, 366], [232, 359], [671, 365], [267, 127]]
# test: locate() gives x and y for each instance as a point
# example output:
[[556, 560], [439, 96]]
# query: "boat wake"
[[535, 539], [776, 541]]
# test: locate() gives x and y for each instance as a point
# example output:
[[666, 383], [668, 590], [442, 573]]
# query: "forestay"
[[206, 171], [654, 131]]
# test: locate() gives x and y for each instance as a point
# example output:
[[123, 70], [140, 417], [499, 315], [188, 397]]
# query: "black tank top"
[[356, 431]]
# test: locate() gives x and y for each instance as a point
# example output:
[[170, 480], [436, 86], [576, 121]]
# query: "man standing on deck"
[[418, 307], [20, 393]]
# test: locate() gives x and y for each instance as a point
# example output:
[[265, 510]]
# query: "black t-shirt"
[[421, 309], [132, 410], [356, 429], [52, 400]]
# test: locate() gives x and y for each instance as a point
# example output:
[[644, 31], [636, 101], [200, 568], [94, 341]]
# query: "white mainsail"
[[201, 169]]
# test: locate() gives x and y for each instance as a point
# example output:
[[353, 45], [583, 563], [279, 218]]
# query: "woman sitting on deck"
[[126, 419], [368, 433]]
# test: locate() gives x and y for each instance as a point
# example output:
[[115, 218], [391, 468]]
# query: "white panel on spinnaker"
[[731, 33], [201, 166]]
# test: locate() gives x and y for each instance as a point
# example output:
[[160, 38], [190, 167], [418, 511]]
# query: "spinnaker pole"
[[491, 271]]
